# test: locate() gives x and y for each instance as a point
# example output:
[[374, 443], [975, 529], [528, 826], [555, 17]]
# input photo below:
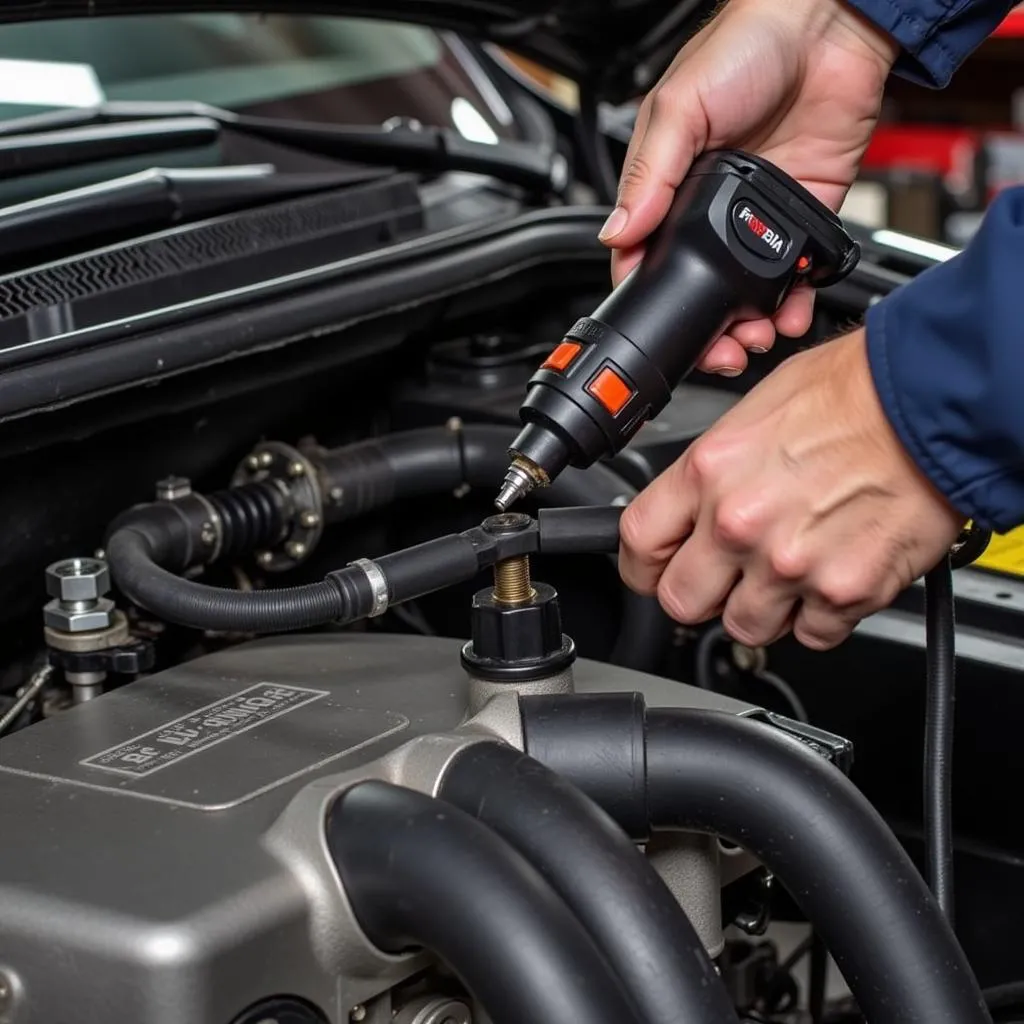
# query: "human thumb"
[[665, 142]]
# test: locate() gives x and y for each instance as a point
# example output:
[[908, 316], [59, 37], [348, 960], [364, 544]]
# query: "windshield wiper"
[[400, 144], [149, 200], [35, 152]]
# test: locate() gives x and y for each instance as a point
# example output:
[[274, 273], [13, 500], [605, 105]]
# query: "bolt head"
[[208, 535], [65, 619], [357, 1013], [173, 488], [78, 579], [266, 459], [296, 469], [296, 549], [309, 520], [252, 462], [265, 557], [337, 495]]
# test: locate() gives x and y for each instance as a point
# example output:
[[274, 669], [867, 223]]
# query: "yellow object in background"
[[1005, 553]]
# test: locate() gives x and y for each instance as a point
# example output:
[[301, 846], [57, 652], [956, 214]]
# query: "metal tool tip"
[[517, 484]]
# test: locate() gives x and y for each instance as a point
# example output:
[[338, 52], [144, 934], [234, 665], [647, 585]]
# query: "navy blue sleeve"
[[935, 36], [947, 357]]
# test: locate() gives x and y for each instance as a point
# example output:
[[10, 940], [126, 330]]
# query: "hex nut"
[[78, 579], [100, 615]]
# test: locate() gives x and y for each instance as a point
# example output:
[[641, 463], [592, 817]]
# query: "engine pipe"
[[419, 873], [802, 817], [610, 886], [139, 550], [356, 479]]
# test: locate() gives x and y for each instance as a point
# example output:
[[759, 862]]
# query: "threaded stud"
[[512, 581]]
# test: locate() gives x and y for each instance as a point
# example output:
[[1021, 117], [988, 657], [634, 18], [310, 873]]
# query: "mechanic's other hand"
[[799, 83], [799, 509]]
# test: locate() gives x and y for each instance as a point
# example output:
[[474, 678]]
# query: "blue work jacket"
[[947, 350]]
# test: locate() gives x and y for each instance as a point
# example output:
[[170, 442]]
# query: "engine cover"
[[162, 860]]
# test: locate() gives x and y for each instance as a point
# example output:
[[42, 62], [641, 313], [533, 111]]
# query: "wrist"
[[861, 30], [839, 22]]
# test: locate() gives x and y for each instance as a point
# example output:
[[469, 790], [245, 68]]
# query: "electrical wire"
[[785, 691], [704, 672], [940, 634], [28, 693]]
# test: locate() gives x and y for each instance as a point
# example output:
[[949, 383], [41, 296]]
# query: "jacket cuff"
[[935, 36], [946, 359]]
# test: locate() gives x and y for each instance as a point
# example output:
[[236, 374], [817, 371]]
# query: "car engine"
[[294, 729]]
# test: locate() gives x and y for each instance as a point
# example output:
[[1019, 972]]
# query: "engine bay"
[[295, 730]]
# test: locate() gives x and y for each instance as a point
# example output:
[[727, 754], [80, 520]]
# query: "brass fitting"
[[512, 581]]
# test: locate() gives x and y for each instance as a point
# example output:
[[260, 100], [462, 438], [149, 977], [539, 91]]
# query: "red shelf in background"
[[1012, 26]]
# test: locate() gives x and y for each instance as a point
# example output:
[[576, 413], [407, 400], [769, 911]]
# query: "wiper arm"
[[150, 199], [46, 150], [401, 144]]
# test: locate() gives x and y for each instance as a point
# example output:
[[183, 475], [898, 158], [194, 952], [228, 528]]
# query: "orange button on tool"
[[562, 357], [610, 390], [802, 264]]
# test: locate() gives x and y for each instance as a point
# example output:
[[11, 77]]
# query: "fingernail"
[[757, 349], [614, 224], [728, 371]]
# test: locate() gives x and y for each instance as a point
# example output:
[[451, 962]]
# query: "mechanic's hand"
[[799, 509], [799, 83]]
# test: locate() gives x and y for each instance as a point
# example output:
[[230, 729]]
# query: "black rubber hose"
[[610, 886], [846, 870], [343, 597], [940, 655], [422, 874]]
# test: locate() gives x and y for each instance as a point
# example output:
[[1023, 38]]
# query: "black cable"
[[1006, 1001], [419, 873], [940, 633], [594, 146], [704, 664], [610, 886]]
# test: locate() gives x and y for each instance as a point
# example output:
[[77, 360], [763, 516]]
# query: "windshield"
[[344, 70]]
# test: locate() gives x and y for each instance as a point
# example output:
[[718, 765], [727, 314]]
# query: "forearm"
[[947, 358], [935, 36]]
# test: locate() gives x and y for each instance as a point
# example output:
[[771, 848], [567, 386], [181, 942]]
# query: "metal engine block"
[[162, 856]]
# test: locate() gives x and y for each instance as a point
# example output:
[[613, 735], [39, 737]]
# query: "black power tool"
[[739, 235]]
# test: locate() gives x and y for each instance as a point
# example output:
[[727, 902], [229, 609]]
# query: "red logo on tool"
[[772, 238]]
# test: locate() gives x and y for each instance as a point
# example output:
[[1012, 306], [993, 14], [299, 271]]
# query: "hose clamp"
[[378, 585]]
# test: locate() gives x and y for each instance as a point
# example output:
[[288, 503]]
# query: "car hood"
[[616, 47]]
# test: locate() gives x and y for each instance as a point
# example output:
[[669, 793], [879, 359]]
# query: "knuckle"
[[847, 588], [673, 605], [737, 526], [745, 630], [819, 639], [666, 101], [703, 462], [636, 174], [789, 562], [632, 532]]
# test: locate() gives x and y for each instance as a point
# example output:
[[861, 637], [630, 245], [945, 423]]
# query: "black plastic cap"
[[517, 643]]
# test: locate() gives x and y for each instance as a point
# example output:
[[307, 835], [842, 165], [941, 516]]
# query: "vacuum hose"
[[421, 874], [767, 792], [149, 547], [610, 886]]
